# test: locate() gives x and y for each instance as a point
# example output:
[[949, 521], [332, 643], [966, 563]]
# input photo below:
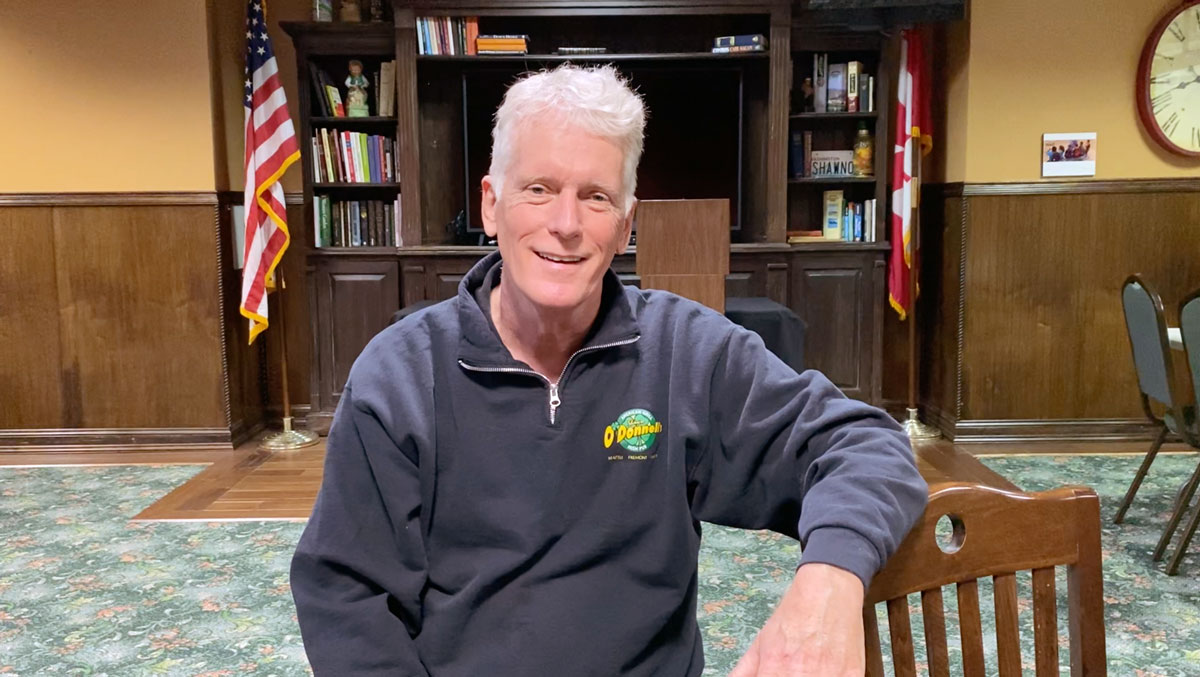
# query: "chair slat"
[[1008, 635], [933, 611], [971, 626], [1045, 622], [871, 632], [903, 659]]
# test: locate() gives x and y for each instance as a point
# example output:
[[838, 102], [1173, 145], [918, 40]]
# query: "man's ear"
[[487, 211], [627, 228]]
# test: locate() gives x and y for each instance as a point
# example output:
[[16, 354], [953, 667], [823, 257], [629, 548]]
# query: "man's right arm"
[[359, 569]]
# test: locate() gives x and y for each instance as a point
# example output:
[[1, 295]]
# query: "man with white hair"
[[515, 478]]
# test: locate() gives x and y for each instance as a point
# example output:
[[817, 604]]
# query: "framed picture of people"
[[1069, 154]]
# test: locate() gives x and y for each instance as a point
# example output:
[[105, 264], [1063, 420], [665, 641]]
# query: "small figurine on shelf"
[[356, 91], [351, 13], [376, 11], [807, 89]]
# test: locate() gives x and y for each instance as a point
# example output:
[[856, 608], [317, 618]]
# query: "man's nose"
[[565, 221]]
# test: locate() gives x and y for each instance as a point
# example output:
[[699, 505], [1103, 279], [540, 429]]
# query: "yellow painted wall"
[[105, 96], [1038, 66], [229, 17]]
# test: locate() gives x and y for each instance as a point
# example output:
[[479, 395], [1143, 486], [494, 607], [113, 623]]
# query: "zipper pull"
[[554, 401]]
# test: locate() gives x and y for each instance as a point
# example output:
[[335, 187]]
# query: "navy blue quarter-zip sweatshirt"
[[477, 518]]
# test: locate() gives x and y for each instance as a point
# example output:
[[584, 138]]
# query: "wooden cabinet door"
[[837, 296], [355, 301]]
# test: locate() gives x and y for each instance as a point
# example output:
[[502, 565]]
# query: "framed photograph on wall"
[[1069, 154]]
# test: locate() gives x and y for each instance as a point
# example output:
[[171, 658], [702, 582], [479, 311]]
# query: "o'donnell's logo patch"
[[635, 431]]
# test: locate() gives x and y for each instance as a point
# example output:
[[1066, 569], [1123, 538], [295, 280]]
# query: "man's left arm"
[[791, 453]]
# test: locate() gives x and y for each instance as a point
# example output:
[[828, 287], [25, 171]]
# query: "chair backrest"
[[996, 533], [1189, 327], [1148, 337], [683, 248]]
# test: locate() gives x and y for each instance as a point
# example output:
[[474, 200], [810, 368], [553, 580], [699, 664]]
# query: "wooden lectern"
[[683, 248]]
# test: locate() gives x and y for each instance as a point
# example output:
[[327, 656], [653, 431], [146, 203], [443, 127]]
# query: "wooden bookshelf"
[[442, 125]]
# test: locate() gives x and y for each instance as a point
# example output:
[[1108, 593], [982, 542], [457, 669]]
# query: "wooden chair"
[[996, 533]]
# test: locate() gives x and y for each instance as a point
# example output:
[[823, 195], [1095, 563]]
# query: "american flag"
[[271, 148]]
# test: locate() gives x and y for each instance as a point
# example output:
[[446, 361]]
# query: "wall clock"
[[1168, 85]]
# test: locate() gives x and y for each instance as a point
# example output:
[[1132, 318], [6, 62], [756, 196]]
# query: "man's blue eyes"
[[540, 190]]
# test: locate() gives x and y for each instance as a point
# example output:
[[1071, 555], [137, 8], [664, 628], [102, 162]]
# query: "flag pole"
[[287, 439], [913, 426]]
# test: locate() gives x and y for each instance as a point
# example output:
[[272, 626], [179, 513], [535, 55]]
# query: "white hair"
[[596, 100]]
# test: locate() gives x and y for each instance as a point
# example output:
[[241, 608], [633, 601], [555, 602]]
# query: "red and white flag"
[[271, 148], [912, 127]]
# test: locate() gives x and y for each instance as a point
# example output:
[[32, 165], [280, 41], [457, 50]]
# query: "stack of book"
[[848, 221], [445, 35], [733, 44], [352, 157], [842, 87], [502, 44], [355, 223]]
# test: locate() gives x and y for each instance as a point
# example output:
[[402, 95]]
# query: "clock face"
[[1171, 87]]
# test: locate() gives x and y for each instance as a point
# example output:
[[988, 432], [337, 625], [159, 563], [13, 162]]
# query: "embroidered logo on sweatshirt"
[[635, 431]]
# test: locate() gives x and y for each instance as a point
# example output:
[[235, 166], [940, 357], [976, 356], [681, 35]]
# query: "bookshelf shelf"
[[643, 56], [818, 245], [833, 180], [835, 116], [359, 185], [345, 120]]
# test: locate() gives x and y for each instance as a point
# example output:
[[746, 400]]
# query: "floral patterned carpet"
[[83, 591]]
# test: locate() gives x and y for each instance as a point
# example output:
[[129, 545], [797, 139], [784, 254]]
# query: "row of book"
[[848, 221], [447, 35], [328, 96], [842, 87], [356, 223], [352, 157]]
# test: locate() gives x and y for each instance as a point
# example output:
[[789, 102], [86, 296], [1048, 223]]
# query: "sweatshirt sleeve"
[[789, 452], [358, 572]]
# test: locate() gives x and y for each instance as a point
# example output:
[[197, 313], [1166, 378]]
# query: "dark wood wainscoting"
[[1024, 333], [112, 323]]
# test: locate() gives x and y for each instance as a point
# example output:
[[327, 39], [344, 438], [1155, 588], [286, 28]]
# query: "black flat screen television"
[[693, 144]]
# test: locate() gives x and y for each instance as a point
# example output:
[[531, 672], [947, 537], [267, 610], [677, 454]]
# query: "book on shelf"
[[355, 223], [352, 157], [801, 236], [322, 10], [502, 44], [854, 72], [835, 202], [847, 221], [820, 84], [800, 155], [842, 87], [446, 35], [835, 98], [738, 49], [749, 40], [387, 88]]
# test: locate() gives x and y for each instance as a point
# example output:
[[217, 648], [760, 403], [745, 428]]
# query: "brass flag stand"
[[287, 439], [913, 426]]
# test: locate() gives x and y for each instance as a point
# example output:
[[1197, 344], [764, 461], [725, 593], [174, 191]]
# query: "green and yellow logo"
[[635, 430]]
